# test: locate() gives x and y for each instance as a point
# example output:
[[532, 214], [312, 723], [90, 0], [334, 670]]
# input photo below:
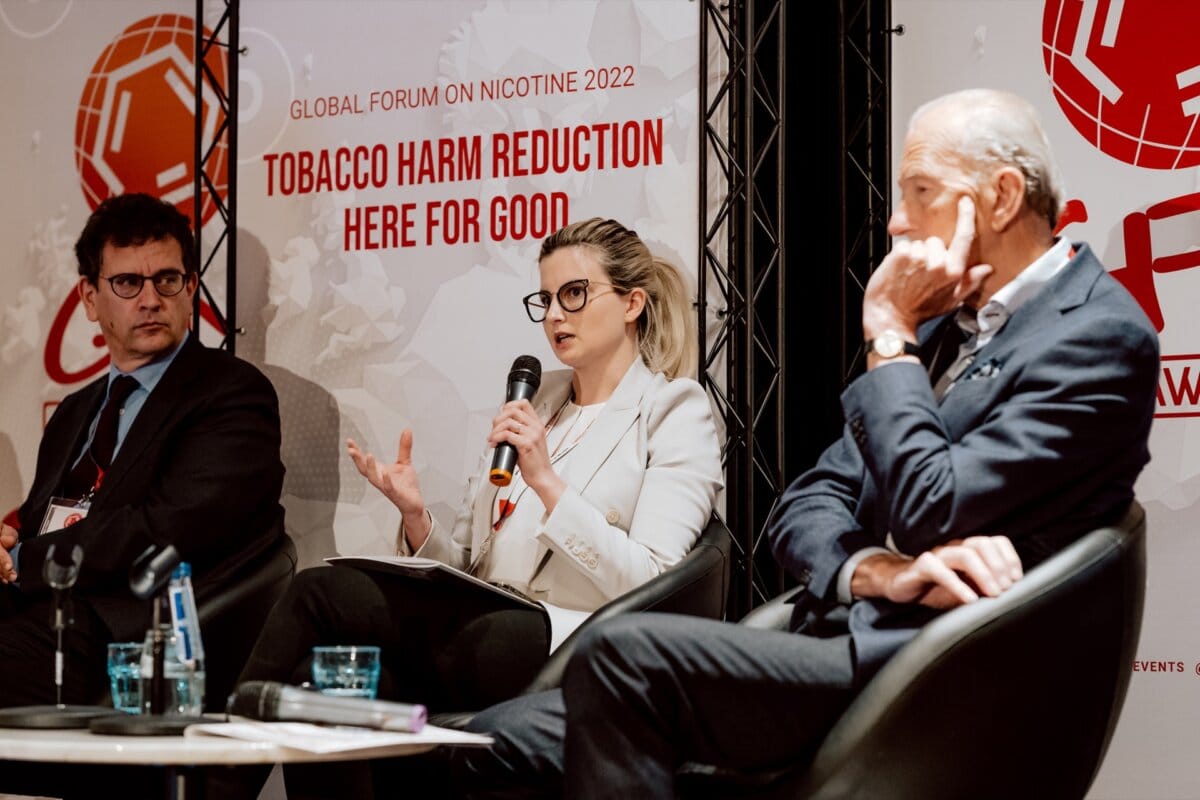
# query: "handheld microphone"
[[274, 702], [523, 381], [151, 570]]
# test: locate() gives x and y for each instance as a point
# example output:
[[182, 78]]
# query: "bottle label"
[[186, 622]]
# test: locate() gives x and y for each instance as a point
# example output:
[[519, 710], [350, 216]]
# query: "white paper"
[[563, 622], [323, 739]]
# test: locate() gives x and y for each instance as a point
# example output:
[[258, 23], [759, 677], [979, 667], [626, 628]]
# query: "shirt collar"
[[148, 375], [1012, 295]]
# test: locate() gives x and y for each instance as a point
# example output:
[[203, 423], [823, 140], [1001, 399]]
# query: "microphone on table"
[[275, 702], [523, 381]]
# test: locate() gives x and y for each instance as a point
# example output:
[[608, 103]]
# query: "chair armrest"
[[682, 589], [775, 614]]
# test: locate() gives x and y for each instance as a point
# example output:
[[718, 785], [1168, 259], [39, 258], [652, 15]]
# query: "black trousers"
[[438, 647], [27, 645], [648, 692]]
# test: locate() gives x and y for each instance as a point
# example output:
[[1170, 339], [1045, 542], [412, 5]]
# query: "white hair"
[[994, 129]]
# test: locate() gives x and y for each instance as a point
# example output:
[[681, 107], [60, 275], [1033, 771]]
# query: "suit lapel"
[[620, 412], [1068, 290], [154, 414], [76, 425], [939, 343]]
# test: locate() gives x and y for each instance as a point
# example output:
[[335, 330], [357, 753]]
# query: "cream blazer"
[[641, 485]]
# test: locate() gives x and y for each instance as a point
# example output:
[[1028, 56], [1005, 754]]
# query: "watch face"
[[889, 344]]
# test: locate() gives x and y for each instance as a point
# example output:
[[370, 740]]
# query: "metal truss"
[[741, 269], [864, 33], [744, 49], [207, 188]]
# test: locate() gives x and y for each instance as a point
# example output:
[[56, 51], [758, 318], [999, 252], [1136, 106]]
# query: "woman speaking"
[[618, 467]]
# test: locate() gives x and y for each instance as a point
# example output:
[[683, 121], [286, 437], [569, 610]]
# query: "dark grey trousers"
[[648, 692]]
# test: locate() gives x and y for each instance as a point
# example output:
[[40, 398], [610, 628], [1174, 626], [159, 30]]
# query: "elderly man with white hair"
[[1004, 412]]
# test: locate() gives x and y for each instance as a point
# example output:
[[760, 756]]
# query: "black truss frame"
[[865, 129], [771, 415], [742, 249], [227, 25]]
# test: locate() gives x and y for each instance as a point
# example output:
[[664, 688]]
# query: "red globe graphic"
[[1127, 75], [134, 130]]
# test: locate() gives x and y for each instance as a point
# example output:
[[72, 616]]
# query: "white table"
[[180, 755]]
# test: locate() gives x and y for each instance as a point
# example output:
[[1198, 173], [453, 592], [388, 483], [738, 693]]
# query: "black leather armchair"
[[697, 586], [1015, 696], [230, 620]]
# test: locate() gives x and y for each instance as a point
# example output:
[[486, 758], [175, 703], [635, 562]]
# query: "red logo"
[[71, 520], [134, 127], [1127, 76]]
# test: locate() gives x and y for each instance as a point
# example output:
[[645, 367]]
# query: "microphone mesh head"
[[254, 699], [527, 369]]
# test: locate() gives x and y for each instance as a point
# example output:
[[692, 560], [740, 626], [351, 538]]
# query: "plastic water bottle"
[[184, 686], [183, 652]]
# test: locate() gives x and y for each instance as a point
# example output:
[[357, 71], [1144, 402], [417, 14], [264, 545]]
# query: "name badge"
[[63, 513]]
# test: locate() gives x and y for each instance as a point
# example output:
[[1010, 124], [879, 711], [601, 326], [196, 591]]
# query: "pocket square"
[[987, 369]]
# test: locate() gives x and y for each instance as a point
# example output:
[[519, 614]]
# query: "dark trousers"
[[27, 645], [648, 692], [438, 647]]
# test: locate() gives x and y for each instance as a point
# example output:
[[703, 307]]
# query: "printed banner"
[[398, 165], [1118, 87]]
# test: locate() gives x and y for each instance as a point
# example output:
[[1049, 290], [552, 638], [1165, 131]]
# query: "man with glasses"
[[177, 444]]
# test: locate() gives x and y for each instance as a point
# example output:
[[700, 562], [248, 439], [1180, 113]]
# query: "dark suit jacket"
[[1040, 439], [199, 468]]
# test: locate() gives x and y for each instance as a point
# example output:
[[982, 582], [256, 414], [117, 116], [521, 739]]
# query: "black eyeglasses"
[[128, 285], [572, 296]]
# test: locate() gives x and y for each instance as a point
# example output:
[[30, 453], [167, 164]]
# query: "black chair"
[[1015, 696], [231, 619], [697, 586]]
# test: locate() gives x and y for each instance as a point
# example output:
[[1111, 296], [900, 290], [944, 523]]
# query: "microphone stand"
[[59, 623], [148, 580], [60, 577]]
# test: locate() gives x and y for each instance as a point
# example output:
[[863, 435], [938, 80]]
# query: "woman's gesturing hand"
[[398, 482]]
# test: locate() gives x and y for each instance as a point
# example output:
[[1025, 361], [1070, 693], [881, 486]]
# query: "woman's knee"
[[333, 584]]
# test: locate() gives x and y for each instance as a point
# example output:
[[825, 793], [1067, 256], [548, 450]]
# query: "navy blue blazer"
[[1040, 439], [199, 468]]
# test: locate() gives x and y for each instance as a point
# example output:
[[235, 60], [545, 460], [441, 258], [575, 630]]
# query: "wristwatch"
[[891, 344]]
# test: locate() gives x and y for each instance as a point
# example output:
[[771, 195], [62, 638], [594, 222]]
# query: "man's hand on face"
[[953, 574], [921, 279]]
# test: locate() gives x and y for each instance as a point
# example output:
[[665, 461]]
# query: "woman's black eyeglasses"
[[572, 296], [128, 285]]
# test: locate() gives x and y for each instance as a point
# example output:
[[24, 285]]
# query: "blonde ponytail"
[[667, 338]]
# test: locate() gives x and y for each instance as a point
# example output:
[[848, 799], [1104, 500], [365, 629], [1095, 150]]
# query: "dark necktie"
[[945, 349], [95, 461]]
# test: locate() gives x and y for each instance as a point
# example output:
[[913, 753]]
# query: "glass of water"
[[124, 675], [350, 670]]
